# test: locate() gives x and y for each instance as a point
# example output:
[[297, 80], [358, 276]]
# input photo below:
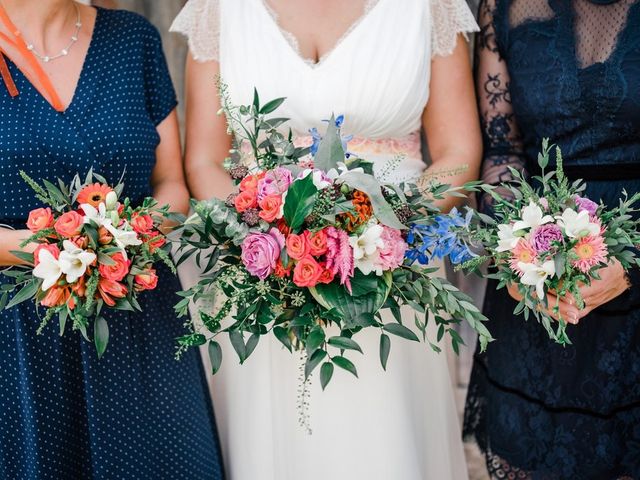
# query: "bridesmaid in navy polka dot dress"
[[137, 413]]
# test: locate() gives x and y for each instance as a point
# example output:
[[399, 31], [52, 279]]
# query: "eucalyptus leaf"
[[330, 151]]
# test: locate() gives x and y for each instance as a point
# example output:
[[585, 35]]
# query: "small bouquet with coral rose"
[[312, 247], [553, 239], [95, 251]]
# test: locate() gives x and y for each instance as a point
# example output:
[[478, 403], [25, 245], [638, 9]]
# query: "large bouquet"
[[94, 251], [554, 240], [312, 246]]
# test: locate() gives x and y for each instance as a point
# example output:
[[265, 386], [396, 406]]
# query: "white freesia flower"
[[532, 217], [48, 269], [99, 215], [507, 241], [533, 274], [577, 224], [366, 248], [74, 261], [123, 237], [111, 200]]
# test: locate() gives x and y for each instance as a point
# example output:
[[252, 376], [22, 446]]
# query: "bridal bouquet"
[[312, 247], [554, 239], [94, 251]]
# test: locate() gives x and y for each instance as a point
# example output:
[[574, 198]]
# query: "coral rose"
[[39, 219], [115, 272], [307, 272], [141, 223], [155, 241], [249, 184], [271, 206], [297, 246], [148, 280], [69, 224], [317, 243], [246, 200], [327, 276]]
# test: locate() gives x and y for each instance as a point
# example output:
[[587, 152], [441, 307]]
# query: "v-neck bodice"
[[124, 91]]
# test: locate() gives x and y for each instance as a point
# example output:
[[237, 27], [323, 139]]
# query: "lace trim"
[[295, 44], [199, 21], [448, 19]]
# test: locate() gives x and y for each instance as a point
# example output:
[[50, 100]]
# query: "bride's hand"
[[567, 309], [10, 240]]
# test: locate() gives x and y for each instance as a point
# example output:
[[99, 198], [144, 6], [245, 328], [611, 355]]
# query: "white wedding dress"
[[396, 425]]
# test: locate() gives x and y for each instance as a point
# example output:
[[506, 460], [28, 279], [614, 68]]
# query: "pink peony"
[[544, 236], [590, 251], [261, 251], [340, 255], [275, 182], [584, 203], [391, 255], [522, 253]]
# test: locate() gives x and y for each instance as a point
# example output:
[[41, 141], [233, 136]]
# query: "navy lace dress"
[[568, 70], [137, 413]]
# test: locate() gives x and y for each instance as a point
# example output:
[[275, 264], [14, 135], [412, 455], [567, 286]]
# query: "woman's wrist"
[[11, 240]]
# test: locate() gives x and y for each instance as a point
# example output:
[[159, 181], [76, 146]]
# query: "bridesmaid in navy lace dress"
[[65, 415], [570, 71]]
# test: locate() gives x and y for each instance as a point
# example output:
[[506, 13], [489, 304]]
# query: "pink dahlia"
[[391, 255], [340, 255], [523, 252], [590, 251]]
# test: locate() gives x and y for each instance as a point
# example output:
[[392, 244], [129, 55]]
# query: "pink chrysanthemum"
[[522, 253], [590, 251], [340, 255]]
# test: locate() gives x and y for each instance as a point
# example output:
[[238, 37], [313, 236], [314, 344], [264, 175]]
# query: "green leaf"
[[372, 187], [345, 364], [62, 319], [271, 106], [237, 342], [385, 347], [313, 362], [3, 300], [100, 335], [326, 372], [344, 343], [27, 292], [215, 355], [315, 340], [252, 343], [24, 256], [105, 260], [282, 334], [330, 151], [256, 99], [301, 197], [401, 331]]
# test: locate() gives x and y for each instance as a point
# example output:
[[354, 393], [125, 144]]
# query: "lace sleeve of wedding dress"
[[503, 146], [449, 18], [199, 21]]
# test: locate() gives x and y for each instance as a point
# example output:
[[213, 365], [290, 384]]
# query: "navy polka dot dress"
[[137, 413]]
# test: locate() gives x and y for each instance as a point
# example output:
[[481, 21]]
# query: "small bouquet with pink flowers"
[[554, 240], [94, 251], [312, 247]]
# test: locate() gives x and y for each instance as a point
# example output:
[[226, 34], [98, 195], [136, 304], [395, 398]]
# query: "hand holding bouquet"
[[94, 251], [553, 240]]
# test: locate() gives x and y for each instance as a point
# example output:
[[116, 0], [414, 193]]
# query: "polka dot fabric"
[[64, 414]]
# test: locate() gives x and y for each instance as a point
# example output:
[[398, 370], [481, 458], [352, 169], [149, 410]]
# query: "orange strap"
[[41, 75], [6, 76]]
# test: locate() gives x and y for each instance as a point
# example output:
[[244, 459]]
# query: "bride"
[[394, 68]]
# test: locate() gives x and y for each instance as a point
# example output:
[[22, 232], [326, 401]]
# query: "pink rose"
[[69, 224], [391, 255], [260, 252], [39, 219], [307, 272], [275, 182]]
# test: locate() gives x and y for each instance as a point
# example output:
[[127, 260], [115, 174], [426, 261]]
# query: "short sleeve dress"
[[137, 413]]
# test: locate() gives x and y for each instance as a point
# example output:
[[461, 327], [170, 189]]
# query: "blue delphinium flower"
[[317, 138]]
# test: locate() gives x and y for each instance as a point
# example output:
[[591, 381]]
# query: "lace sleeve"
[[501, 137], [199, 21], [448, 19]]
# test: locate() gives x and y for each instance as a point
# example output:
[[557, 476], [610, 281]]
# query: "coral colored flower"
[[391, 255], [118, 270], [591, 251], [155, 241], [52, 249], [39, 219], [364, 211], [246, 200], [327, 276], [544, 236], [274, 182], [283, 227], [69, 224], [104, 237], [55, 297], [260, 252], [340, 255], [249, 184], [94, 194], [110, 290], [297, 246], [81, 241], [148, 280], [141, 223], [522, 253], [280, 271], [317, 243], [307, 272], [80, 287], [271, 208]]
